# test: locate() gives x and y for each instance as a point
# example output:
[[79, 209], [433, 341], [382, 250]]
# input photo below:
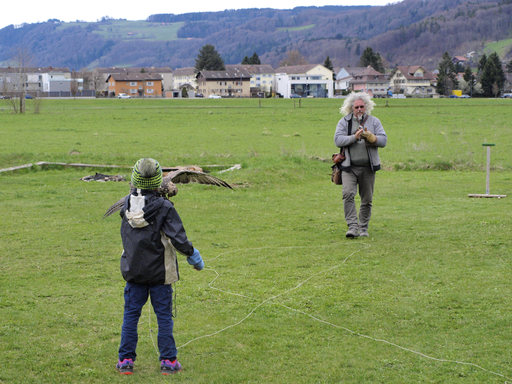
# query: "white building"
[[185, 78], [311, 80]]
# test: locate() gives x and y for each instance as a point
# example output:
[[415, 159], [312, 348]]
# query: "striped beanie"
[[147, 174]]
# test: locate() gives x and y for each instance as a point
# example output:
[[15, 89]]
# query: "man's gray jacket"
[[342, 139]]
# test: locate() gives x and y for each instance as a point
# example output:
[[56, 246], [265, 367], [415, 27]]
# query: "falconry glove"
[[368, 136]]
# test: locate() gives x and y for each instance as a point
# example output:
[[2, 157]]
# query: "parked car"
[[199, 95], [465, 96], [214, 97], [123, 96], [506, 96], [453, 97], [28, 96], [295, 96]]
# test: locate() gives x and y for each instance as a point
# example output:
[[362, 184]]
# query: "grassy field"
[[130, 30], [284, 297]]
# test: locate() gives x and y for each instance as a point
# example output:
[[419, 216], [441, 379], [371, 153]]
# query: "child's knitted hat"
[[147, 174]]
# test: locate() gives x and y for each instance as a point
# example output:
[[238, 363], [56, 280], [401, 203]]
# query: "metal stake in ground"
[[488, 174]]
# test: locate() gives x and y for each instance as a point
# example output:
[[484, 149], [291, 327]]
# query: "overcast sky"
[[32, 11]]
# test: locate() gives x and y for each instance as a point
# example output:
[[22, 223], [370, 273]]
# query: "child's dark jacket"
[[149, 255]]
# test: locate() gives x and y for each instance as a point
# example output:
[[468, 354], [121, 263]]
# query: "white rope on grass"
[[314, 317]]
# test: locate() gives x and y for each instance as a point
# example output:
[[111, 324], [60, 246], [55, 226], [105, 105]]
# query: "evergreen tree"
[[209, 59], [328, 63], [492, 74], [255, 60], [509, 66], [447, 78], [481, 63], [373, 59], [469, 78]]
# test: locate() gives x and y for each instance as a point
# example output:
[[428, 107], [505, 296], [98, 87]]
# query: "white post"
[[488, 169]]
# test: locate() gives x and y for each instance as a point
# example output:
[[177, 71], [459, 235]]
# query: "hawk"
[[168, 187]]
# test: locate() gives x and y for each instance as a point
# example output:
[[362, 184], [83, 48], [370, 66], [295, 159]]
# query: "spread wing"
[[168, 189], [185, 176]]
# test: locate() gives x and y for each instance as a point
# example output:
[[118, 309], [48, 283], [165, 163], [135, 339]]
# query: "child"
[[151, 231]]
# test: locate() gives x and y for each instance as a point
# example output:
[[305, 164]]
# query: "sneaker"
[[168, 367], [352, 232], [125, 367], [364, 233]]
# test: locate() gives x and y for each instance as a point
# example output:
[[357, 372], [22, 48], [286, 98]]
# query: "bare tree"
[[8, 93], [87, 79], [73, 86], [21, 60], [495, 89], [293, 58]]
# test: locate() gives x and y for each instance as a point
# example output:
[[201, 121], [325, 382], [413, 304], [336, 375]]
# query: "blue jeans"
[[135, 296]]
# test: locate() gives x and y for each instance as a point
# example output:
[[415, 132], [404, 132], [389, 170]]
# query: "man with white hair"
[[360, 134]]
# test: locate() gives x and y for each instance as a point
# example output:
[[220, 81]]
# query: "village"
[[235, 81]]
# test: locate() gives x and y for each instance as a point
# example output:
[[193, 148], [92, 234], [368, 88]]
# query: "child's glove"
[[368, 136], [196, 260]]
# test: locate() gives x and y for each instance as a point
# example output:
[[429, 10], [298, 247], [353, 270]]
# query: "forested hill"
[[405, 33]]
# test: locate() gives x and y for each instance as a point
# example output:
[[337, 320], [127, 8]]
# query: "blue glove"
[[196, 260]]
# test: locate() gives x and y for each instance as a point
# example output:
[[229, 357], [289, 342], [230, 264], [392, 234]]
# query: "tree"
[[481, 63], [447, 78], [22, 61], [328, 64], [373, 59], [293, 58], [253, 60], [209, 59], [492, 73], [469, 78], [509, 66], [73, 86]]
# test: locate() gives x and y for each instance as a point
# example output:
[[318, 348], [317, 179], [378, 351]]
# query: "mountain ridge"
[[406, 33]]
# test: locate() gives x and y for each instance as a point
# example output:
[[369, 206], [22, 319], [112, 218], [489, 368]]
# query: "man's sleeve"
[[382, 138], [175, 231], [341, 138]]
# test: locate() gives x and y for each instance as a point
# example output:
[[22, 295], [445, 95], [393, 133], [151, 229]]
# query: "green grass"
[[294, 29], [285, 297], [133, 30], [502, 47]]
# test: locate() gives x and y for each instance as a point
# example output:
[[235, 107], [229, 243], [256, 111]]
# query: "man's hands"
[[368, 136], [196, 260], [358, 133]]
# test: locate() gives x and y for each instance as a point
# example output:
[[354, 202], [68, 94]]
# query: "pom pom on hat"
[[147, 174]]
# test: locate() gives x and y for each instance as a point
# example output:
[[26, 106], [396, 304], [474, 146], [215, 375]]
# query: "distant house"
[[344, 76], [227, 83], [370, 81], [311, 80], [135, 84], [35, 79], [100, 75], [412, 80], [262, 76], [459, 59], [185, 78]]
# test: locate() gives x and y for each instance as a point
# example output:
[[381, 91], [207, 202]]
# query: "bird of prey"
[[168, 188]]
